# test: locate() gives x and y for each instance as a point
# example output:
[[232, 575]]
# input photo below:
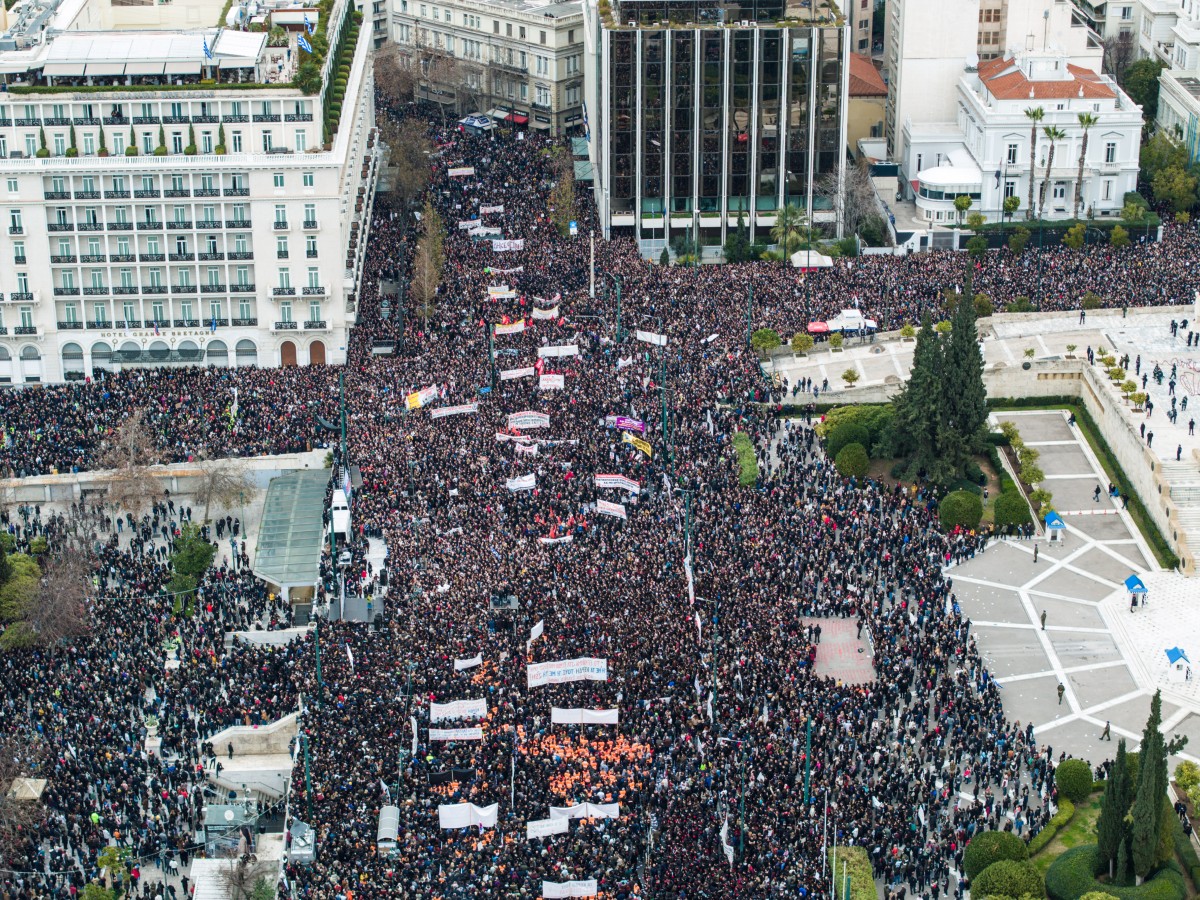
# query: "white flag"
[[350, 656]]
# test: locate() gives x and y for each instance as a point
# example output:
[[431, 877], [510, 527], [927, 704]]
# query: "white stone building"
[[519, 61], [234, 236], [1179, 84], [983, 152]]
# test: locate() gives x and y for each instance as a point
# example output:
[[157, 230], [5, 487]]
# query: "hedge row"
[[747, 459], [1066, 809], [1187, 854], [858, 868], [1071, 876]]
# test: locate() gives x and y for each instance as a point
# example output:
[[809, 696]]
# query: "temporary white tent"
[[811, 259]]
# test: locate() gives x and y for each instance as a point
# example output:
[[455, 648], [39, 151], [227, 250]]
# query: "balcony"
[[152, 257], [286, 326], [175, 120], [212, 288], [25, 329], [58, 195], [281, 224], [237, 192], [155, 290], [206, 192], [21, 297], [210, 257], [60, 260], [116, 195], [266, 117], [242, 287], [177, 192], [241, 254], [15, 229], [237, 223], [97, 326], [132, 323], [220, 323], [179, 225], [235, 119], [311, 254], [204, 120], [208, 224], [281, 254], [310, 224], [151, 225], [298, 117], [3, 330], [182, 257], [91, 226], [145, 120], [115, 120], [187, 323], [87, 195], [125, 289], [5, 122], [314, 291], [283, 292], [87, 120], [66, 292], [95, 291], [244, 323], [28, 123], [123, 258], [58, 121], [120, 226], [70, 326], [19, 260], [58, 226], [315, 325], [92, 258], [183, 289], [146, 194]]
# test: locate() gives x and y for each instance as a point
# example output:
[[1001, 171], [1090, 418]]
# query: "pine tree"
[[1110, 829], [1123, 862], [917, 405], [963, 400], [1151, 789]]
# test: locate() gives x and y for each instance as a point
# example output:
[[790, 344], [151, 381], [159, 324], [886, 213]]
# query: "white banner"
[[444, 411], [624, 361], [649, 337], [468, 223], [461, 664], [551, 313], [506, 271], [587, 811], [618, 481], [583, 716], [501, 437], [458, 709], [464, 815], [610, 509], [538, 828], [483, 231], [511, 328], [413, 721], [461, 170], [505, 246], [560, 350], [584, 668], [552, 382], [554, 889], [725, 845], [456, 734], [537, 630], [565, 539], [510, 374], [497, 290], [526, 449], [528, 419], [524, 483], [484, 210]]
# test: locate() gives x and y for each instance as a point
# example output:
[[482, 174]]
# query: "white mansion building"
[[233, 236]]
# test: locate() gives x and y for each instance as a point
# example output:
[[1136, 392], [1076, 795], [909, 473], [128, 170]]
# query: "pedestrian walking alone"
[[1061, 690]]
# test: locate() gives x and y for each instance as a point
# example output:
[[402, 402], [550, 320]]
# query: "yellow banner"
[[639, 443], [413, 400]]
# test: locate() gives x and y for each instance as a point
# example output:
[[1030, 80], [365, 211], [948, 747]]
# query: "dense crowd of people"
[[704, 597]]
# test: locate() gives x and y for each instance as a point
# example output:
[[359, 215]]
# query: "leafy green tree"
[[1011, 205], [1151, 788], [853, 461], [850, 376], [1073, 778], [988, 847], [1019, 240], [93, 891], [1009, 878], [1053, 134], [1158, 153], [664, 258], [977, 246], [764, 340], [983, 306], [801, 342], [976, 221], [790, 231], [737, 245], [961, 204], [1119, 239], [1173, 185], [1035, 114], [836, 340], [963, 509], [1140, 81], [1075, 236], [192, 554]]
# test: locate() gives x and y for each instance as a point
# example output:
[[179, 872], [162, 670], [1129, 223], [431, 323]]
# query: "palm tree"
[[1086, 121], [1034, 114], [1053, 133], [789, 228]]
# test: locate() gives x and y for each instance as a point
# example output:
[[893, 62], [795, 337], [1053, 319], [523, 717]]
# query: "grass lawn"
[[746, 458], [1080, 830]]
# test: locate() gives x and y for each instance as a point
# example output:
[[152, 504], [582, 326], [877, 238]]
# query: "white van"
[[339, 516]]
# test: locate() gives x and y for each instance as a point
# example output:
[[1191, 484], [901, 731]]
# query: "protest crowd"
[[590, 474]]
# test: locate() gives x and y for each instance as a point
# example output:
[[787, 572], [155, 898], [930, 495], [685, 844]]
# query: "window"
[[521, 32], [19, 252], [1110, 152], [147, 182], [126, 276], [314, 311], [180, 213], [281, 247], [181, 247], [285, 278], [243, 278], [155, 277], [280, 214], [147, 143], [278, 179], [152, 246], [244, 312], [239, 243], [572, 96], [94, 247], [71, 313], [1010, 188], [1106, 190], [1060, 190], [310, 246], [128, 311], [156, 311], [97, 276], [571, 36], [310, 214], [314, 277], [89, 143], [22, 283], [508, 29], [68, 279], [1012, 154], [542, 96], [495, 26], [185, 310], [64, 246], [572, 65], [237, 142], [12, 185], [285, 311], [1126, 13], [542, 38], [214, 310], [214, 274], [123, 246], [100, 312], [60, 145], [267, 142], [206, 142], [176, 141], [26, 316], [210, 214], [31, 145], [307, 179], [14, 221], [301, 140]]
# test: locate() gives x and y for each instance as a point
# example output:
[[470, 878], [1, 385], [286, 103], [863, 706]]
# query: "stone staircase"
[[261, 763], [1183, 480]]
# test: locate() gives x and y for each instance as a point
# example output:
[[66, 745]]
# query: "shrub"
[[858, 868], [1009, 878], [1187, 775], [1066, 809], [1097, 895], [1011, 509], [989, 847], [747, 459], [836, 340], [844, 434], [1070, 877], [962, 509], [1021, 304], [907, 331], [1073, 778], [974, 473], [853, 461]]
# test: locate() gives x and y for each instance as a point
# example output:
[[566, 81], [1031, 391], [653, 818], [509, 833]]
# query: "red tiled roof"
[[865, 80], [1005, 80]]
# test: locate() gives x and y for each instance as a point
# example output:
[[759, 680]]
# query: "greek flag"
[[308, 26], [207, 52], [303, 44]]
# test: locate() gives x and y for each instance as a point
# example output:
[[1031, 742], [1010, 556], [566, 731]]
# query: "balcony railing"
[[241, 254], [146, 194], [115, 120], [237, 223], [152, 257], [286, 326], [237, 192], [210, 257], [58, 195], [212, 288], [283, 291], [59, 260], [25, 329], [266, 117], [235, 118], [181, 257], [145, 120], [66, 292], [310, 224], [209, 223], [206, 192], [242, 287], [70, 326], [281, 224], [92, 258], [183, 289], [244, 323], [132, 323], [315, 325], [57, 120], [87, 195], [21, 296], [281, 254], [178, 225], [187, 323], [28, 123], [152, 225], [95, 291], [155, 289], [16, 229], [220, 323], [177, 192], [123, 257], [99, 325], [314, 291], [91, 226], [3, 330], [204, 120], [120, 226], [59, 226], [311, 254], [117, 195], [125, 289], [87, 120], [175, 120], [19, 260], [298, 117]]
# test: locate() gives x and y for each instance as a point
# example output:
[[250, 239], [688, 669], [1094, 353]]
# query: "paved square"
[[842, 654]]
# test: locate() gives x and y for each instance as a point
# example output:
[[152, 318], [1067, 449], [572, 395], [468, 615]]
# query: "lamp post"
[[317, 647], [749, 310], [617, 281]]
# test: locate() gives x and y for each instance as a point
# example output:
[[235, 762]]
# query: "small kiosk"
[[1056, 528]]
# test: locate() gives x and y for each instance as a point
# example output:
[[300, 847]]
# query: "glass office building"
[[701, 111]]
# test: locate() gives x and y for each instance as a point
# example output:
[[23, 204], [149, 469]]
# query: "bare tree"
[[1119, 52], [127, 453], [562, 197], [427, 268], [221, 481], [860, 203], [247, 879], [20, 757], [408, 156], [54, 607], [395, 74]]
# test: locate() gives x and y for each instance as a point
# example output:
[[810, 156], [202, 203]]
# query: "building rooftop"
[[865, 80], [1007, 79]]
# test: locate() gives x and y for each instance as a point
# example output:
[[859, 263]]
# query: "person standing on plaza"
[[1061, 690]]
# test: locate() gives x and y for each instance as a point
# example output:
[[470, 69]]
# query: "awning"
[[583, 171], [518, 119], [543, 126], [105, 69], [1054, 520], [144, 68], [1135, 585], [183, 67], [579, 147], [56, 70], [817, 328]]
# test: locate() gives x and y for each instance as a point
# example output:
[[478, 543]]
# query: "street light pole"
[[308, 781], [749, 310], [317, 646], [807, 759], [491, 351]]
